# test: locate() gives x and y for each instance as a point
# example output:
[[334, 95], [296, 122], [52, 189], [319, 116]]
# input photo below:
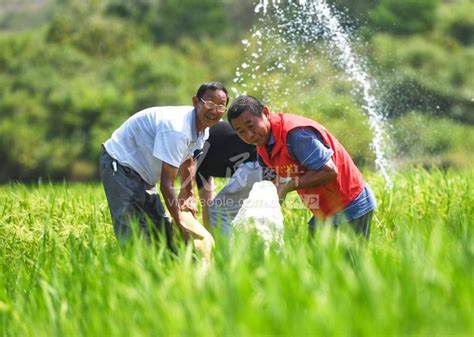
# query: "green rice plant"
[[64, 274]]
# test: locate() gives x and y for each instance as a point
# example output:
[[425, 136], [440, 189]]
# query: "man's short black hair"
[[244, 103], [213, 86]]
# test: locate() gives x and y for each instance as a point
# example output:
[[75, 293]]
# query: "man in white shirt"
[[152, 146]]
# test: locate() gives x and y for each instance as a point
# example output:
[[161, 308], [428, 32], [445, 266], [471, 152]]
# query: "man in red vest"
[[308, 159]]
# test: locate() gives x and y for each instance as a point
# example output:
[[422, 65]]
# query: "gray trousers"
[[360, 225], [132, 200]]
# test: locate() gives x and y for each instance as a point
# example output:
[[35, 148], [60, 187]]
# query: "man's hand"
[[189, 226], [309, 179], [185, 233], [188, 204], [284, 187]]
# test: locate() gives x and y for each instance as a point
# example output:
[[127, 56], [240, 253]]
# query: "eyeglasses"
[[211, 106]]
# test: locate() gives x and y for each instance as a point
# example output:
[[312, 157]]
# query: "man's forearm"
[[187, 174], [171, 202], [314, 178], [310, 179]]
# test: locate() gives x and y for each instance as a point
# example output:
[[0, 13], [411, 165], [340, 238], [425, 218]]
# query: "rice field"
[[64, 274]]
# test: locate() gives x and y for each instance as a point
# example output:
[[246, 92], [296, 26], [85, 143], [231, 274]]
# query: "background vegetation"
[[72, 71]]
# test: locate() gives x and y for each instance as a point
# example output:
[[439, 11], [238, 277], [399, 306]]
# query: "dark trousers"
[[360, 225], [130, 200]]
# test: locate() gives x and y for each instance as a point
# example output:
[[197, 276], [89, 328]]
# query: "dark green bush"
[[458, 20]]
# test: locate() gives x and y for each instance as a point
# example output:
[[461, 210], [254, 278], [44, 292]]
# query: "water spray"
[[321, 20]]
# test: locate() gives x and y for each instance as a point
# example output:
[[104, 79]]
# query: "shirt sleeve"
[[306, 147]]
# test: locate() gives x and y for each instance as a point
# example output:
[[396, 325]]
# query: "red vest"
[[324, 200]]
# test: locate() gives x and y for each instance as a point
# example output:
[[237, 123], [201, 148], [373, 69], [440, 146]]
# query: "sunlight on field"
[[63, 273]]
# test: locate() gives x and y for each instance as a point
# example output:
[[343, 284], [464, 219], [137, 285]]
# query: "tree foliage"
[[69, 81]]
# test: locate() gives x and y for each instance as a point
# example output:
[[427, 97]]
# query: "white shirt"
[[156, 135]]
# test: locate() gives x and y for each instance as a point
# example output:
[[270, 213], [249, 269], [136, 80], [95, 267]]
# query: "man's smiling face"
[[210, 108], [253, 129]]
